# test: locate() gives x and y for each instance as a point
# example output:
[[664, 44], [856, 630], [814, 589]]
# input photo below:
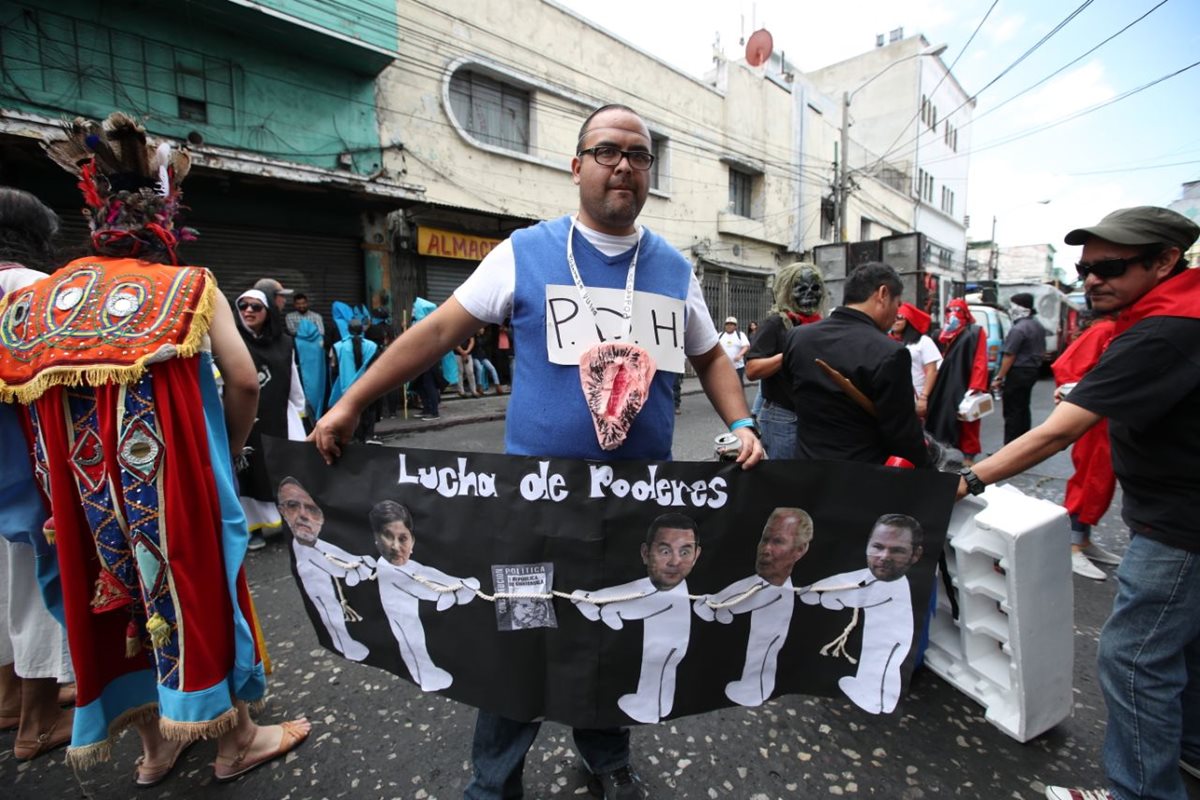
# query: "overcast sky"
[[1109, 158]]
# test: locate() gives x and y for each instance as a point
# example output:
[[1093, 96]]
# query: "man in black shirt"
[[799, 294], [1024, 348], [1148, 386], [832, 417]]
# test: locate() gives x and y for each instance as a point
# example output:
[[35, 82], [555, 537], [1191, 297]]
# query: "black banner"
[[605, 594]]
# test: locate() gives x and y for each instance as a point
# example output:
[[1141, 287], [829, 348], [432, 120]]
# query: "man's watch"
[[974, 485]]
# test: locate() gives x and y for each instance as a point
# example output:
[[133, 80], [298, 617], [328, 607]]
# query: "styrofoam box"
[[1012, 647]]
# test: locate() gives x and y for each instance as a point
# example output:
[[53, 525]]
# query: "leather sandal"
[[293, 735], [57, 736], [146, 774]]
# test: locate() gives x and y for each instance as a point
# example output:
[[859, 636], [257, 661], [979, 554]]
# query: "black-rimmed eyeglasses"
[[255, 307], [1108, 268], [608, 156]]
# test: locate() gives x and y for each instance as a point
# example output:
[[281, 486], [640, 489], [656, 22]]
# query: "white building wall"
[[569, 67]]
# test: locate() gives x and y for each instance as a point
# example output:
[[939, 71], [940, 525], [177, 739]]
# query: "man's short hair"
[[299, 296], [385, 512], [290, 481], [868, 277], [906, 522], [583, 129], [804, 523], [672, 519]]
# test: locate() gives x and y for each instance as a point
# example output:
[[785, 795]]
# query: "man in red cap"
[[1147, 384]]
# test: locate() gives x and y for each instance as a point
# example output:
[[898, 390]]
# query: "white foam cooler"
[[1012, 647]]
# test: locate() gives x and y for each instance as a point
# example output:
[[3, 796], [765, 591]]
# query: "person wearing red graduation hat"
[[910, 329]]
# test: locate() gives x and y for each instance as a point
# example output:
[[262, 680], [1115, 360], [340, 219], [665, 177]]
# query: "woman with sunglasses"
[[280, 406], [112, 357]]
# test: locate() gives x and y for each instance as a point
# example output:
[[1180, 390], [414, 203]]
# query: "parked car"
[[996, 324]]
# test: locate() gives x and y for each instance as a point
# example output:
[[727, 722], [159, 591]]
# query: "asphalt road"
[[377, 736]]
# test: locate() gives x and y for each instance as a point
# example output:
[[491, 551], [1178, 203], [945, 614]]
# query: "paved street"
[[376, 736]]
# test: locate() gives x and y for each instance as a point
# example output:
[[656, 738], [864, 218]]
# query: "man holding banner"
[[588, 385]]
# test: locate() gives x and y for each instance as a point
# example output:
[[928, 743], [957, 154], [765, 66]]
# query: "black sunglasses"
[[1108, 268], [251, 307]]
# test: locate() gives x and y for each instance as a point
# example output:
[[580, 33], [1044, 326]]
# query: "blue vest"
[[547, 413]]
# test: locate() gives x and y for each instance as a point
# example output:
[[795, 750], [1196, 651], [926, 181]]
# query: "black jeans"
[[1016, 395]]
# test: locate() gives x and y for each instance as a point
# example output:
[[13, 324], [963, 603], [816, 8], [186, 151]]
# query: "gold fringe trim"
[[90, 755], [190, 731], [69, 376], [259, 705]]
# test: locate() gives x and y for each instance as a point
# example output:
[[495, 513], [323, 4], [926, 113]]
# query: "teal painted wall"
[[179, 74], [370, 21]]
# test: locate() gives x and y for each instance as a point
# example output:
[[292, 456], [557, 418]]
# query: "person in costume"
[[912, 325], [661, 601], [799, 297], [132, 447], [351, 357], [404, 583], [321, 566], [33, 647], [1091, 486], [769, 597], [280, 407], [850, 385], [1147, 384], [587, 399], [964, 369], [882, 592]]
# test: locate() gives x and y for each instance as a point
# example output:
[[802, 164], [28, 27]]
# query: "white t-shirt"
[[923, 352], [488, 294], [732, 344]]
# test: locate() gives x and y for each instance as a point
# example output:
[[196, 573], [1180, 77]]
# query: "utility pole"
[[843, 157], [993, 256]]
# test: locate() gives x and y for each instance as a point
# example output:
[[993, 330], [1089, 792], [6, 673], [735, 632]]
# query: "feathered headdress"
[[130, 186]]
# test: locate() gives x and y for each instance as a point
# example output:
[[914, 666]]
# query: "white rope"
[[443, 588], [838, 645]]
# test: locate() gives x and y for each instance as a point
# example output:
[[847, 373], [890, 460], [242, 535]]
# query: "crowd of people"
[[142, 434]]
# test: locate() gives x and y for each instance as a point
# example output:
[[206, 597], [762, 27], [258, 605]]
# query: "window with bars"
[[492, 111]]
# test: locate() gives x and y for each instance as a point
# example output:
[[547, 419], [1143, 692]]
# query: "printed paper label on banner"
[[526, 613], [570, 328]]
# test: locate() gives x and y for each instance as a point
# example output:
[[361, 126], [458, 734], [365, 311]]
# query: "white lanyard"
[[627, 311]]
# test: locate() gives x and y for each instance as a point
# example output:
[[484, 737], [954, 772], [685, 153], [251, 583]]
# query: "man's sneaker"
[[1101, 556], [1190, 768], [373, 441], [1062, 793], [257, 542], [620, 784], [1081, 566], [431, 416]]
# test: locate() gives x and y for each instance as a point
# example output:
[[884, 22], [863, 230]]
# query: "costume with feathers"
[[109, 359]]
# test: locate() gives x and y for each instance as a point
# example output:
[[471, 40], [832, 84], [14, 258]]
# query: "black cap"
[[1022, 299], [1141, 225]]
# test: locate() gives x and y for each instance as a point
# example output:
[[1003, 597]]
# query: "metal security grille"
[[443, 276], [729, 293], [326, 268]]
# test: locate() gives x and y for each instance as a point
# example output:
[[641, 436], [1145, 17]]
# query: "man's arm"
[[759, 368], [419, 347], [1006, 363], [1064, 425], [721, 384]]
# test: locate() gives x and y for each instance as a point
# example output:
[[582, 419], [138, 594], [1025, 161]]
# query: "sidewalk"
[[454, 410]]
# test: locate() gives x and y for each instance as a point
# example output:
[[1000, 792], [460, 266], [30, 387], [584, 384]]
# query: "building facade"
[[908, 131], [276, 101]]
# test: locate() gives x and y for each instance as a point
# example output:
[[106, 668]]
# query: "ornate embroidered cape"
[[129, 444]]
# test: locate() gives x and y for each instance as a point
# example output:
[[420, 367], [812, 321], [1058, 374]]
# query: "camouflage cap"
[[1141, 225]]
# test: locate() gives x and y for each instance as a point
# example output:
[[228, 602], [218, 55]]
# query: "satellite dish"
[[759, 48]]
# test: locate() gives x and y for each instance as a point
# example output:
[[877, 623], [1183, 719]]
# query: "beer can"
[[727, 446]]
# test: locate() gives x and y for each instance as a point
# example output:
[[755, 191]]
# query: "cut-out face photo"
[[670, 553], [892, 550], [302, 514], [785, 540], [392, 525]]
